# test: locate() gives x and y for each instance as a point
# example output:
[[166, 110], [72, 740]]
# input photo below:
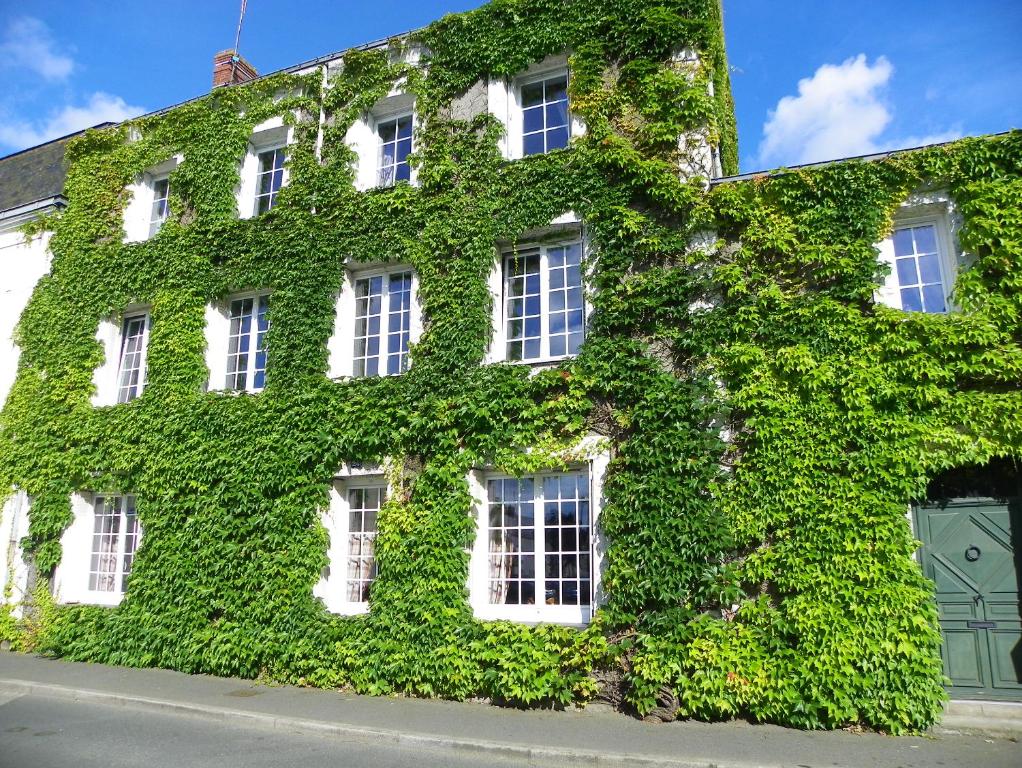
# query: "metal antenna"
[[237, 41]]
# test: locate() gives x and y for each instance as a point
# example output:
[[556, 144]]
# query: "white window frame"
[[138, 213], [341, 346], [479, 576], [363, 137], [504, 100], [379, 122], [106, 379], [156, 224], [332, 587], [72, 575], [218, 330], [566, 230], [270, 135], [923, 209], [261, 173]]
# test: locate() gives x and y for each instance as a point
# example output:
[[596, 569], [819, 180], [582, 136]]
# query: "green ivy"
[[768, 423]]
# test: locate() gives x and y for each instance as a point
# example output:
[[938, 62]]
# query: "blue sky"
[[812, 79]]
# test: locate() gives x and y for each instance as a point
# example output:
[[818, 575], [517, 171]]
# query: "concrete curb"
[[531, 755]]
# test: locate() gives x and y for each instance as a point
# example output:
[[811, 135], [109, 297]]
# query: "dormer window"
[[395, 137], [269, 179]]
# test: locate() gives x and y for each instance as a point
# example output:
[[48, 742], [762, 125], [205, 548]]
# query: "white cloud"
[[838, 112], [100, 108], [27, 44]]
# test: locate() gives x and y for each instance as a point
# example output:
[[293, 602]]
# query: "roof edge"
[[107, 124], [870, 158]]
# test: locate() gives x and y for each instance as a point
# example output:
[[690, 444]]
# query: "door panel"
[[963, 653]]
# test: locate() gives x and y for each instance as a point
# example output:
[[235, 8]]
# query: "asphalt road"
[[38, 732]]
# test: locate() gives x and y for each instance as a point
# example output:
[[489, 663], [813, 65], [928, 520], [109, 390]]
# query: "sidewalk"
[[591, 738]]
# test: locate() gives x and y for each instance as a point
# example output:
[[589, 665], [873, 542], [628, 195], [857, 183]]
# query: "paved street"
[[57, 714], [37, 732]]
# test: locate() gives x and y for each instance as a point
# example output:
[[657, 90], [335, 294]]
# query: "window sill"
[[540, 364], [564, 615], [349, 609], [99, 599]]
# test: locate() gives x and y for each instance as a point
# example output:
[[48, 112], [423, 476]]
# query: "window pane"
[[532, 94], [556, 114], [556, 138], [933, 298], [903, 242], [404, 127], [404, 148], [926, 239], [532, 144], [388, 131], [532, 120], [907, 271], [911, 300], [557, 89], [929, 268]]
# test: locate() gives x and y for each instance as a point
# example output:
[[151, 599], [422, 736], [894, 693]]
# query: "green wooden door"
[[971, 552]]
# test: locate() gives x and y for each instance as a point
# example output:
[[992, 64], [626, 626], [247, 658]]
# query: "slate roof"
[[36, 173]]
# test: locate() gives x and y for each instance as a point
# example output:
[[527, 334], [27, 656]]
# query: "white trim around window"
[[356, 497], [377, 319], [923, 258], [99, 548], [370, 147], [540, 310], [148, 204], [505, 102], [236, 351], [267, 138], [538, 552], [125, 341]]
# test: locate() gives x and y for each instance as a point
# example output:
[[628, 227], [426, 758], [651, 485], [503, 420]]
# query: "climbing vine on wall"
[[768, 422]]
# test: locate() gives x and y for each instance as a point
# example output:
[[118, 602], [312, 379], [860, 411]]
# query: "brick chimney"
[[230, 69]]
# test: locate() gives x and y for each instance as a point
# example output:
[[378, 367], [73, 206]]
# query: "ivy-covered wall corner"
[[768, 423]]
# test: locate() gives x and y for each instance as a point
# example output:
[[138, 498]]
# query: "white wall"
[[13, 569], [22, 263], [21, 266]]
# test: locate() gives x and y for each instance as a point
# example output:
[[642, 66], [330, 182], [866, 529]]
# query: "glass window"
[[161, 195], [544, 309], [538, 535], [363, 510], [917, 263], [246, 343], [115, 537], [383, 316], [395, 137], [546, 124], [269, 179], [131, 368]]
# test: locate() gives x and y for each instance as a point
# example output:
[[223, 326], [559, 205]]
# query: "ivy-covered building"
[[457, 365]]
